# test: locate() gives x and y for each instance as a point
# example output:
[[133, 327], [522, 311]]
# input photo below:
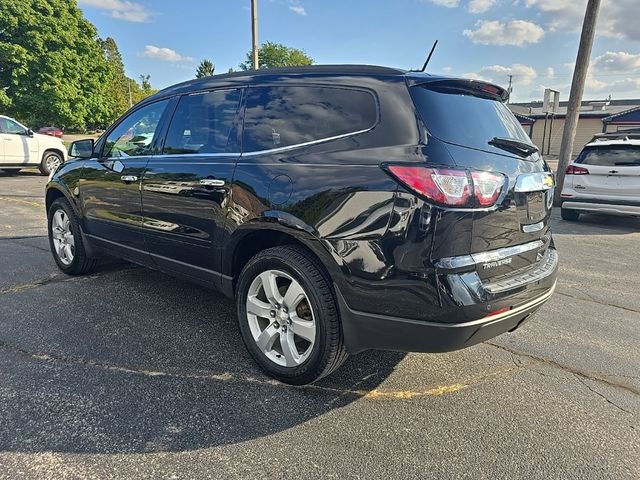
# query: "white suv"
[[21, 148], [605, 178]]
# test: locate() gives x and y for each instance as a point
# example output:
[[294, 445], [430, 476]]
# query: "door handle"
[[211, 182], [129, 178]]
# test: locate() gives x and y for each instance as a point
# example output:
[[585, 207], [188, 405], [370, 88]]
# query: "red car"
[[52, 131]]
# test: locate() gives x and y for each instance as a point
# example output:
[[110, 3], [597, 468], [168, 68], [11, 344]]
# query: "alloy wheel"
[[280, 318], [63, 240], [52, 162]]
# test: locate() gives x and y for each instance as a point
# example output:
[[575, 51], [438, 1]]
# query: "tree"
[[205, 69], [273, 55], [52, 65], [145, 82], [118, 83]]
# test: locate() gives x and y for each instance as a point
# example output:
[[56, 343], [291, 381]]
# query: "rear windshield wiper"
[[513, 145]]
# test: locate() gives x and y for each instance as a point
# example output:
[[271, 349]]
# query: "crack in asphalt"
[[36, 247], [22, 237], [575, 371], [54, 278], [593, 300], [375, 393], [607, 399]]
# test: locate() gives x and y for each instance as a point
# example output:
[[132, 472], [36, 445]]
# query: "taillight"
[[487, 187], [575, 170], [450, 187]]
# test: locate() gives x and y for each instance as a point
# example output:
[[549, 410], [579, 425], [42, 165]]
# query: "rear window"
[[466, 120], [610, 156], [277, 117]]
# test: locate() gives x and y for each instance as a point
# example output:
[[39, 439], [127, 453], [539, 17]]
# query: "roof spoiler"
[[462, 86]]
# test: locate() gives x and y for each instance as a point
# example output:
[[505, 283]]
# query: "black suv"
[[344, 207]]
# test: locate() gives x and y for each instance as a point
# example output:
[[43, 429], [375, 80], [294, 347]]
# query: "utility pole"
[[254, 34], [510, 89], [130, 98], [575, 97]]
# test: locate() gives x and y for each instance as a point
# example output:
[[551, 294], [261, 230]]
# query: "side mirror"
[[29, 132], [81, 149]]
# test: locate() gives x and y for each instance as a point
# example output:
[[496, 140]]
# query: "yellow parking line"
[[375, 394], [22, 202]]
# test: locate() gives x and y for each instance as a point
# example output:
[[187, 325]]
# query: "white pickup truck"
[[21, 148]]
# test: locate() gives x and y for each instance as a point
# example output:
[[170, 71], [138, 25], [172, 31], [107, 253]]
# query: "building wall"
[[587, 128]]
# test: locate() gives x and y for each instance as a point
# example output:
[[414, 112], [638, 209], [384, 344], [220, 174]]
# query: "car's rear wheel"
[[65, 240], [288, 316], [50, 161], [569, 215]]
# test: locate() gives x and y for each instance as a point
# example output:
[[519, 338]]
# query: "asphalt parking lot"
[[129, 373]]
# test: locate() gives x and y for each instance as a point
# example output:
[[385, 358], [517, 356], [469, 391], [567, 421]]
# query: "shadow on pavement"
[[131, 360], [589, 224], [26, 172]]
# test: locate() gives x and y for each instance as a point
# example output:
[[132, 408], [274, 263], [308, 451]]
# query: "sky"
[[535, 41]]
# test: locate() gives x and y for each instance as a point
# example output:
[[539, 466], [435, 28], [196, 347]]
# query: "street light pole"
[[575, 97], [254, 33]]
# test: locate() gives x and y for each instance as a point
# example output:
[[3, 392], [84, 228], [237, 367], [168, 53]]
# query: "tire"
[[72, 260], [313, 330], [50, 161], [569, 215]]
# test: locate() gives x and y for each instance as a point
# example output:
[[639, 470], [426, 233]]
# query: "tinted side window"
[[11, 127], [203, 123], [611, 156], [278, 117], [134, 135]]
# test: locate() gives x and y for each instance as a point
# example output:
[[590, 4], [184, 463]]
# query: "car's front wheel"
[[288, 316], [65, 240], [50, 162]]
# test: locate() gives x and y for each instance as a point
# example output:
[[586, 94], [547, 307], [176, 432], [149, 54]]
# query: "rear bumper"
[[365, 331]]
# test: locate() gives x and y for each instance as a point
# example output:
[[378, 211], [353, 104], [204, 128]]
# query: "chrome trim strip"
[[306, 144], [540, 272], [450, 263], [536, 227], [534, 182], [192, 155]]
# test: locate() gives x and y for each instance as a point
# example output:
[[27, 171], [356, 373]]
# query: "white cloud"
[[446, 3], [550, 72], [299, 9], [480, 6], [522, 74], [121, 9], [515, 32], [164, 54], [617, 62], [616, 18], [474, 76], [615, 73]]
